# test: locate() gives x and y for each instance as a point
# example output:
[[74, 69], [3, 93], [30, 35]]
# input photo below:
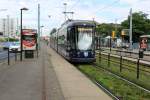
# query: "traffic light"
[[113, 34]]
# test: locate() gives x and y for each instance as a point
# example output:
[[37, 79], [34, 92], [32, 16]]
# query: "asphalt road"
[[4, 55]]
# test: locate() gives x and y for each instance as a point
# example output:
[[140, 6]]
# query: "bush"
[[2, 40], [11, 39]]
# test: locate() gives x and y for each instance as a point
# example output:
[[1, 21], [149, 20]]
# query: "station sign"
[[143, 43]]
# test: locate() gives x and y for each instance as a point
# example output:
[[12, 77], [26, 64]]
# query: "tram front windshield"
[[84, 41]]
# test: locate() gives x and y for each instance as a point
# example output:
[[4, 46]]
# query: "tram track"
[[103, 86], [106, 90], [132, 83]]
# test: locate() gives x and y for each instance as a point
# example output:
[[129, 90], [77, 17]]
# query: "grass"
[[129, 70], [120, 88]]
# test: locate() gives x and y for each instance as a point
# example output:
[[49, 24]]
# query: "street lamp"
[[21, 31], [49, 16]]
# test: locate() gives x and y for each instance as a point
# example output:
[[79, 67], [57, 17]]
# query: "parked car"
[[6, 45], [15, 46]]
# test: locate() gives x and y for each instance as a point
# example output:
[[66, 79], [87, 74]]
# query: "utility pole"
[[130, 29], [65, 4], [39, 26], [115, 25], [21, 33], [65, 12]]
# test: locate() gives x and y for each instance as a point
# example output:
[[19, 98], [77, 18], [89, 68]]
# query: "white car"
[[15, 47]]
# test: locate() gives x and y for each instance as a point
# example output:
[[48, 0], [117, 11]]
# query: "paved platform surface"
[[31, 79], [74, 85], [48, 77]]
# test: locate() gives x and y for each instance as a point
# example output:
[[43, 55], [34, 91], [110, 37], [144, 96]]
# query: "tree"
[[141, 25], [53, 31], [105, 29]]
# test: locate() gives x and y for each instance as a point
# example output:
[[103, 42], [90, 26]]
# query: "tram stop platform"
[[48, 77]]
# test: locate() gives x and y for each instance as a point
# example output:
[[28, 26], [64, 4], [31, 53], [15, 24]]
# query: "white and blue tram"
[[75, 41]]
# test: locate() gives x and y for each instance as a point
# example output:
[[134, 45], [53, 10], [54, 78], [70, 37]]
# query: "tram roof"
[[79, 22]]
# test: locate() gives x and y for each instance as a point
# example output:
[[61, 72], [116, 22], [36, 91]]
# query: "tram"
[[75, 40]]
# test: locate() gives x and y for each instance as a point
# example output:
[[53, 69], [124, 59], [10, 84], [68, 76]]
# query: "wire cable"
[[108, 6]]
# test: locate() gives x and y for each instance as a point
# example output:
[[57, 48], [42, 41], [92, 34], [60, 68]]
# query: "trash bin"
[[29, 54], [141, 53]]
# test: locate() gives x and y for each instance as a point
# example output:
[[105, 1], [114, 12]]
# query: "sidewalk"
[[74, 85], [31, 79]]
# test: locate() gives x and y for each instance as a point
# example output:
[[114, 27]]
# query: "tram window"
[[71, 37], [85, 38], [62, 41]]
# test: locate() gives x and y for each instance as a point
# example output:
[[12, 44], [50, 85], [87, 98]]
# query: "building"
[[8, 25]]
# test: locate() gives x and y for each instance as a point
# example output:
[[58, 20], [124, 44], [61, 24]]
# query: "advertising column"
[[29, 42]]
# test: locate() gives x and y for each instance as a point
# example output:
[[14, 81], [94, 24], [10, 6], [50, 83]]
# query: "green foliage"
[[11, 39], [141, 25], [120, 88], [104, 29], [53, 31]]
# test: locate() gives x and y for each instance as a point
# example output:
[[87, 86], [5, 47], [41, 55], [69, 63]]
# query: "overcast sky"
[[102, 10]]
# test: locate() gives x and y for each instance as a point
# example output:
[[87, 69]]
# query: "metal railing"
[[131, 69]]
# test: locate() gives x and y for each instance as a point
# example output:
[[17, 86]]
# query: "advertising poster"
[[29, 39], [143, 43]]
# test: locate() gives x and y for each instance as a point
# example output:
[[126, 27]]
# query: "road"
[[4, 55]]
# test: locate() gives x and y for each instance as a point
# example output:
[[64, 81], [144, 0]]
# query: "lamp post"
[[21, 32], [49, 16], [130, 29]]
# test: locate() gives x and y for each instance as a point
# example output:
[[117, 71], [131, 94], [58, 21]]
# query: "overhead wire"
[[108, 6]]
